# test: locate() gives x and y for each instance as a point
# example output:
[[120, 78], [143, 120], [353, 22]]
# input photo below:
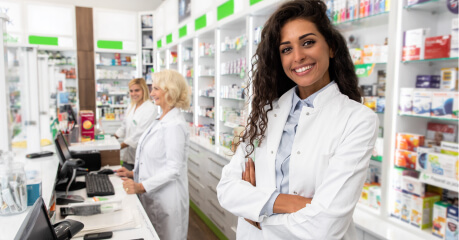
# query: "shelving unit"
[[147, 45]]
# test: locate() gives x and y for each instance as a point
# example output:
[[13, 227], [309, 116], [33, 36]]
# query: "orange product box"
[[406, 159], [87, 125], [409, 141]]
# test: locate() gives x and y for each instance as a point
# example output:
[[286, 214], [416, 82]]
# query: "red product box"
[[87, 125], [410, 53], [437, 47], [409, 141], [405, 159]]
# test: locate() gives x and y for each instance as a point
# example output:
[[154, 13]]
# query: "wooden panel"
[[84, 29], [110, 157], [86, 65]]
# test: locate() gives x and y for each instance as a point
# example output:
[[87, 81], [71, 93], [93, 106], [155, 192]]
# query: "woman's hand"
[[289, 203], [123, 172], [124, 145], [132, 187], [249, 176]]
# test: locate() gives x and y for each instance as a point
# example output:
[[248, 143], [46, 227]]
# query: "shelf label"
[[110, 44], [364, 70], [169, 38], [159, 44], [225, 10], [182, 31], [200, 22], [43, 40], [439, 181], [252, 2]]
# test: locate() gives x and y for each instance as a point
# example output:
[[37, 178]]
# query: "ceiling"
[[130, 5]]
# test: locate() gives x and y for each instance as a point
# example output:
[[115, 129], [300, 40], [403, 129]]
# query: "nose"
[[151, 94], [298, 55]]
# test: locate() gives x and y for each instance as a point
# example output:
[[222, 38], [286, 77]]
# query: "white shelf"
[[439, 181], [113, 105]]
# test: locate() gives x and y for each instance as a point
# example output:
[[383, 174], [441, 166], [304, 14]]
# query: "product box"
[[87, 125], [452, 223], [437, 47], [368, 90], [380, 104], [449, 79], [449, 148], [422, 159], [441, 132], [412, 185], [421, 210], [375, 197], [397, 179], [370, 102], [428, 81], [439, 218], [443, 165], [364, 196], [381, 85], [405, 159], [442, 105], [414, 44], [396, 205], [405, 105], [356, 55], [405, 209], [409, 141], [422, 101]]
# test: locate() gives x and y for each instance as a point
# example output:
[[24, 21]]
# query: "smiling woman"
[[310, 135]]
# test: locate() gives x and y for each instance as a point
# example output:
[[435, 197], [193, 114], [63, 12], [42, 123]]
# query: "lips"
[[303, 68]]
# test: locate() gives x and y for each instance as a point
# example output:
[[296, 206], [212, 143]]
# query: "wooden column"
[[85, 56]]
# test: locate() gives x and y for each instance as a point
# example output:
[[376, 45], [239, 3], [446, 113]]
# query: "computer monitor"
[[36, 224], [62, 148], [64, 179]]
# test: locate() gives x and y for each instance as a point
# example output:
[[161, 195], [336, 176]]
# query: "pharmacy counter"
[[109, 149]]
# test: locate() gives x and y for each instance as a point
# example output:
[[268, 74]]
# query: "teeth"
[[300, 70]]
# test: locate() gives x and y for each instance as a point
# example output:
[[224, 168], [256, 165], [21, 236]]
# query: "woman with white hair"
[[160, 172]]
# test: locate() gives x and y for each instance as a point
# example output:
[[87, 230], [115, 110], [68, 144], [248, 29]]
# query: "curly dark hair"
[[269, 80]]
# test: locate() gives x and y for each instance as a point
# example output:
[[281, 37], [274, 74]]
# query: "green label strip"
[[225, 10], [159, 43], [110, 44], [252, 2], [182, 31], [200, 22], [43, 40], [364, 70], [169, 38]]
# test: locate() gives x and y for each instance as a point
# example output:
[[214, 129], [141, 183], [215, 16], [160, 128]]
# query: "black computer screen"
[[62, 148], [36, 225]]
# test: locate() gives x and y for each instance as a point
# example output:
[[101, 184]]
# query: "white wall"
[[128, 5]]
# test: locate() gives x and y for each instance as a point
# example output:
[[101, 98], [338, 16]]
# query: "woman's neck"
[[138, 104], [165, 110]]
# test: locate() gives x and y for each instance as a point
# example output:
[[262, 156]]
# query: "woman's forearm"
[[288, 203]]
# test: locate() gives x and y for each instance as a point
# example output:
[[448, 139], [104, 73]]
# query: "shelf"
[[114, 93], [439, 181], [373, 20], [231, 125], [116, 66], [145, 29], [236, 99], [203, 116], [207, 96], [431, 60], [234, 50], [113, 79], [173, 63], [147, 48], [188, 60], [206, 76], [207, 56], [433, 6], [147, 64], [233, 75], [113, 105], [64, 65], [428, 117]]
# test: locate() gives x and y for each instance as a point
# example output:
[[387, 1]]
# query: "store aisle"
[[197, 229]]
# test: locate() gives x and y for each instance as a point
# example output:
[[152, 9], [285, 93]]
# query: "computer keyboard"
[[98, 185]]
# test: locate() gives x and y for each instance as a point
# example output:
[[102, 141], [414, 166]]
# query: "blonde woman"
[[140, 114], [160, 172]]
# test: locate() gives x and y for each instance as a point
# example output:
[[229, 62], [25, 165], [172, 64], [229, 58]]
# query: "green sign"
[[200, 22], [43, 40], [364, 70], [169, 38], [225, 10], [110, 44], [159, 44], [182, 31], [252, 2]]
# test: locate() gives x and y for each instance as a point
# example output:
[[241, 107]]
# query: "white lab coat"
[[134, 125], [161, 167], [328, 162]]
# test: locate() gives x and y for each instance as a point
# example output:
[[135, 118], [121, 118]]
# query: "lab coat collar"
[[173, 114]]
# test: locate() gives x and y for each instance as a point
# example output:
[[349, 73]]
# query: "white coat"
[[328, 162], [161, 167], [134, 125]]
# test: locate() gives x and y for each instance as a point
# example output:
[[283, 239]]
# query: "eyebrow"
[[301, 37]]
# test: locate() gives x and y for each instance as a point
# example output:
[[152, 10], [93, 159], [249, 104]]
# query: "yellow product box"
[[449, 148], [421, 210], [443, 165], [364, 196], [439, 218]]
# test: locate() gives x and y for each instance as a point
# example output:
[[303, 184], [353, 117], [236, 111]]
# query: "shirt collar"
[[297, 102]]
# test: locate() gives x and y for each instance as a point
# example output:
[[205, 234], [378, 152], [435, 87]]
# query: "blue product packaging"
[[380, 104], [33, 192], [452, 223]]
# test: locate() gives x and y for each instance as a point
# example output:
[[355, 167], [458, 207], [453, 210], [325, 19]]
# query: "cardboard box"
[[437, 47], [439, 214], [449, 148], [414, 44], [413, 186], [375, 197], [441, 132], [422, 101], [405, 105], [405, 209], [396, 205], [452, 223], [442, 105], [87, 125], [405, 159], [422, 158], [443, 165], [409, 141], [428, 81], [449, 79], [421, 210]]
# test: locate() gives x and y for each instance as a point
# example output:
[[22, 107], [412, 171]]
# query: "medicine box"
[[409, 141], [421, 210], [443, 165], [448, 79], [365, 194], [396, 205], [414, 44], [413, 186], [397, 178], [437, 47], [375, 196], [439, 218], [428, 81], [380, 104], [370, 102], [405, 209], [441, 132], [405, 159], [405, 105], [452, 223], [442, 105], [422, 101], [422, 158], [449, 148], [87, 125]]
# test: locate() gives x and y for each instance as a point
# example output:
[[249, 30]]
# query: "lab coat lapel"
[[277, 119]]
